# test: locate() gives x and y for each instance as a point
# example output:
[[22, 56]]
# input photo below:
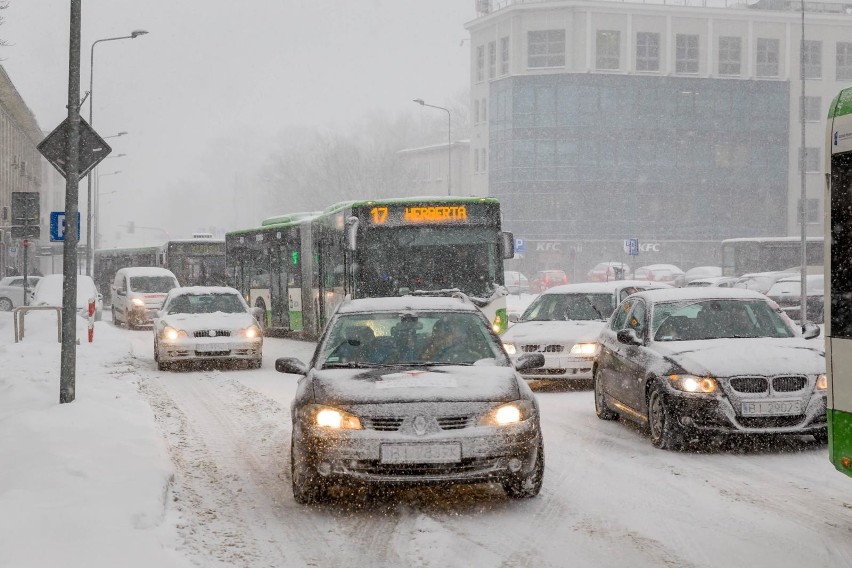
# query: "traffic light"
[[131, 227]]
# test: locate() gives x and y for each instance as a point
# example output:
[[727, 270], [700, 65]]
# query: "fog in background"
[[234, 108]]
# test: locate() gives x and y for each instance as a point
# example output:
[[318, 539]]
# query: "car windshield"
[[152, 284], [205, 304], [715, 319], [566, 307], [404, 339]]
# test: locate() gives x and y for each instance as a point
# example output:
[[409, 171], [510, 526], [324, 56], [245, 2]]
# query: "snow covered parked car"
[[412, 391], [206, 323], [563, 324], [48, 292], [709, 361]]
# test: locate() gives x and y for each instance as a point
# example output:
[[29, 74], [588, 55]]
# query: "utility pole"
[[68, 365]]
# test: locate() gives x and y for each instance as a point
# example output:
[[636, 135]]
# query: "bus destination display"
[[398, 215]]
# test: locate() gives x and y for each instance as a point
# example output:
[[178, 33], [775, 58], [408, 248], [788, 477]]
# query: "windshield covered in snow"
[[715, 319], [390, 339], [566, 307], [430, 258], [206, 304]]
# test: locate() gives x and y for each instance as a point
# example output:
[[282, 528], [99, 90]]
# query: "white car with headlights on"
[[206, 323], [563, 324], [412, 391]]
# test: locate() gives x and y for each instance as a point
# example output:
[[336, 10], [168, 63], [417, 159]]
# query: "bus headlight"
[[510, 348], [588, 349], [172, 334], [335, 419], [691, 383], [822, 382], [510, 413]]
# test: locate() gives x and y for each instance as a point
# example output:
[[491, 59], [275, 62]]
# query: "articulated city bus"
[[768, 254], [299, 267], [838, 277], [199, 261]]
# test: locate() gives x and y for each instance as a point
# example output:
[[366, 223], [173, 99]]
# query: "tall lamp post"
[[133, 35], [803, 201], [449, 141], [98, 207]]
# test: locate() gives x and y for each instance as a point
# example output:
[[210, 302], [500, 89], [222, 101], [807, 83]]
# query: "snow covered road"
[[609, 498]]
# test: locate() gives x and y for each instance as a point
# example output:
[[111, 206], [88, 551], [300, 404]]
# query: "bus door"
[[279, 294]]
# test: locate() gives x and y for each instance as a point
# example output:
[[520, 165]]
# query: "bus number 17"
[[380, 215]]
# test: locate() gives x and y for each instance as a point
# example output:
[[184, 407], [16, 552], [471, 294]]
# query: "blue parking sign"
[[57, 226], [520, 246], [631, 246]]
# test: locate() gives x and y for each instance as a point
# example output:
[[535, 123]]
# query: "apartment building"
[[674, 123]]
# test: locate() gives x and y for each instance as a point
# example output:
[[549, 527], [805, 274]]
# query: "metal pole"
[[68, 364], [803, 198], [449, 153], [89, 250]]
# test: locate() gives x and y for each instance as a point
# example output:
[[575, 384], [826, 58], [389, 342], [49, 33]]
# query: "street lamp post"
[[133, 35], [98, 207], [449, 141]]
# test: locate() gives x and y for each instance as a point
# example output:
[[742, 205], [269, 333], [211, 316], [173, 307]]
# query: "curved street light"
[[421, 102], [89, 250]]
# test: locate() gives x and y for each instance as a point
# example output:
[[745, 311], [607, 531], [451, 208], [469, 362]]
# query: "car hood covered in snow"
[[758, 356], [218, 320], [553, 331], [415, 384]]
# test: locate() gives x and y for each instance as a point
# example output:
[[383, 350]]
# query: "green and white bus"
[[299, 267], [838, 277]]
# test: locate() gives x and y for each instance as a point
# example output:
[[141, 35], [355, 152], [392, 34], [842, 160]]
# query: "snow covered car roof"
[[416, 303], [699, 293], [602, 287]]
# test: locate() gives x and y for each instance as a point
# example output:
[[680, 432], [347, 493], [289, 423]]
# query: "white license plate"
[[421, 453], [772, 408], [211, 347]]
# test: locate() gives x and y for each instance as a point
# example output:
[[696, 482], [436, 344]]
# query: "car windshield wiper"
[[352, 365]]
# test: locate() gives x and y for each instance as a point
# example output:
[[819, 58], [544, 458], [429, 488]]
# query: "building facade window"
[[813, 213], [476, 161], [484, 109], [476, 111], [813, 109], [647, 51], [730, 55], [483, 161], [844, 61], [480, 63], [767, 56], [813, 59], [810, 159], [504, 55], [686, 53], [608, 46], [545, 48], [492, 59]]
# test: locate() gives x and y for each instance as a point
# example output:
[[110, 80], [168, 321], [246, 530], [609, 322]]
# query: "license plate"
[[211, 347], [772, 408], [421, 453]]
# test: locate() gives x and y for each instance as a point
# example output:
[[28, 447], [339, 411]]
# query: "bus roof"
[[771, 240], [290, 218], [841, 105]]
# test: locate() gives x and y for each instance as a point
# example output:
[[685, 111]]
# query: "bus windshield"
[[397, 260]]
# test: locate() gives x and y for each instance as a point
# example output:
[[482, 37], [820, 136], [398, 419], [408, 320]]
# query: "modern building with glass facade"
[[677, 125]]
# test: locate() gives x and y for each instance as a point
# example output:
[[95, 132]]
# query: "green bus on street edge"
[[299, 267], [838, 266]]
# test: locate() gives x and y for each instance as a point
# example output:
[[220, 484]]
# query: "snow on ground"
[[150, 468]]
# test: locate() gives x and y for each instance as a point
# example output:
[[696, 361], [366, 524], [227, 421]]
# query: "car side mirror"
[[529, 361], [291, 365], [121, 292], [810, 330], [514, 318], [628, 337]]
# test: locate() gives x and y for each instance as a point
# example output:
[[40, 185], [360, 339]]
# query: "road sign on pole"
[[57, 226], [92, 148], [631, 246], [25, 215]]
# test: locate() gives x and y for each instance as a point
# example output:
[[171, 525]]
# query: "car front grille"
[[467, 465], [749, 384], [216, 333], [393, 423], [543, 348], [771, 421], [789, 384]]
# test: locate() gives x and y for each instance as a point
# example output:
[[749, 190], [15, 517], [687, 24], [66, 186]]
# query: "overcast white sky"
[[237, 70]]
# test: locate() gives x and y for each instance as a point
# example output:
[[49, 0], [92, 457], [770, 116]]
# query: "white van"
[[138, 293]]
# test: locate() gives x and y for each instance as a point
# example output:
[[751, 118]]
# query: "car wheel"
[[529, 486], [821, 436], [308, 488], [666, 433], [5, 305], [602, 409]]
